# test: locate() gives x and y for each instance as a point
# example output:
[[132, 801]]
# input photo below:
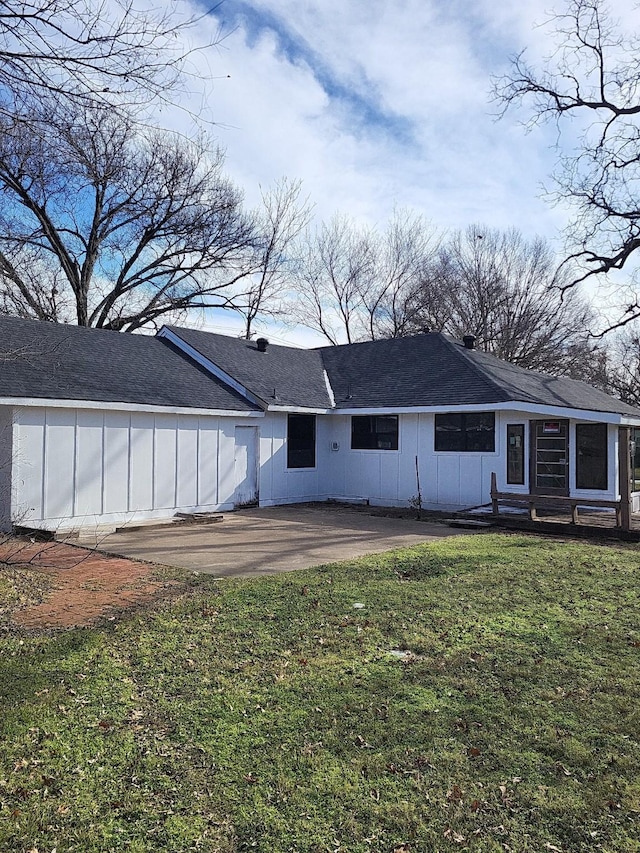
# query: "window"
[[374, 432], [515, 454], [635, 459], [591, 456], [466, 432], [301, 441]]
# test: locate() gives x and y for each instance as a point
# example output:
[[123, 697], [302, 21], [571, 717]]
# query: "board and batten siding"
[[76, 467], [388, 477], [280, 484]]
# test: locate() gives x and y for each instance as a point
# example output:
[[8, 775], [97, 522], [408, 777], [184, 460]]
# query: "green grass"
[[269, 714]]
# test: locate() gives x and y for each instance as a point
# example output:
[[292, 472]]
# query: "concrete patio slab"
[[276, 539]]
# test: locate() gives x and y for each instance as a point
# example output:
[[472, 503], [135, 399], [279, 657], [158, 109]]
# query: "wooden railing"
[[555, 502]]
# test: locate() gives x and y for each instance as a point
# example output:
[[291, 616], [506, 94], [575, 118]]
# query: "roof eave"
[[55, 403], [502, 406]]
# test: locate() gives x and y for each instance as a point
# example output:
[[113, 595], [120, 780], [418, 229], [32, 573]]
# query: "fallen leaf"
[[455, 794], [473, 752], [454, 836]]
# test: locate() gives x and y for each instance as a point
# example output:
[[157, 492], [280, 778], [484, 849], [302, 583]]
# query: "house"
[[97, 427]]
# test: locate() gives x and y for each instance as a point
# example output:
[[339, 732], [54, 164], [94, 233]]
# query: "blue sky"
[[377, 104]]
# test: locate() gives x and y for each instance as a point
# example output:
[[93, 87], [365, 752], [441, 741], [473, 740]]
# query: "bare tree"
[[403, 253], [624, 364], [590, 83], [507, 292], [336, 265], [93, 51], [109, 226], [278, 222], [355, 283]]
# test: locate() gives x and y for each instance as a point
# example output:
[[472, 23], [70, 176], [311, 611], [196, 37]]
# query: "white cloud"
[[373, 109], [376, 104]]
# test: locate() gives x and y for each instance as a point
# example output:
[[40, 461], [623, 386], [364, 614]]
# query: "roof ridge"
[[455, 347]]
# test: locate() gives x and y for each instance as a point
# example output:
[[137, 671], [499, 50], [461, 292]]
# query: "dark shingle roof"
[[529, 386], [296, 374], [51, 361], [433, 370], [418, 371]]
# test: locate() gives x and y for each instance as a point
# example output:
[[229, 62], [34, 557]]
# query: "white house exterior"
[[98, 428]]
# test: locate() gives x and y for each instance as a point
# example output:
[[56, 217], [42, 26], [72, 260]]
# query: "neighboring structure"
[[97, 427]]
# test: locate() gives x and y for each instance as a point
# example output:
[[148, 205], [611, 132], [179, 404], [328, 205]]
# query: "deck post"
[[624, 474], [494, 491]]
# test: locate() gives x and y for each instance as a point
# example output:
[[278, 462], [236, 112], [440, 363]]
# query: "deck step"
[[469, 523], [197, 518]]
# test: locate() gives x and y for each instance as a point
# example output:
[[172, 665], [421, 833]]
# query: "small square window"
[[374, 432]]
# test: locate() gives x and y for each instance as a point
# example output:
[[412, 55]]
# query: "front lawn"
[[479, 693]]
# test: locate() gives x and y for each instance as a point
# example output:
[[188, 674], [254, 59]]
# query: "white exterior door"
[[245, 466]]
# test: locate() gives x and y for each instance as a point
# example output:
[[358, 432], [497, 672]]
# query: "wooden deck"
[[592, 523], [583, 516]]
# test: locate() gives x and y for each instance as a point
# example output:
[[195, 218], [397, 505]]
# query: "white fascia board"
[[562, 412], [209, 365], [303, 410], [42, 402], [630, 420], [512, 406]]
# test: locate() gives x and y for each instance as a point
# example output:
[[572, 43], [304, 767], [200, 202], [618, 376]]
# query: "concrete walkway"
[[265, 541]]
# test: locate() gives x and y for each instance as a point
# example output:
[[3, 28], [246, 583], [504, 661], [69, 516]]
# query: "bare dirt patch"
[[54, 585]]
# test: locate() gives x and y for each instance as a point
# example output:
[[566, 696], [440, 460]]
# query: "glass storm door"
[[550, 457]]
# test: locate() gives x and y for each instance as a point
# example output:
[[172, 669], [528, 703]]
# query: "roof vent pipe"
[[262, 344], [469, 341]]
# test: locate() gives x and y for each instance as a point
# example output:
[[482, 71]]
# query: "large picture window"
[[374, 432], [591, 456], [515, 454], [466, 432], [301, 441]]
